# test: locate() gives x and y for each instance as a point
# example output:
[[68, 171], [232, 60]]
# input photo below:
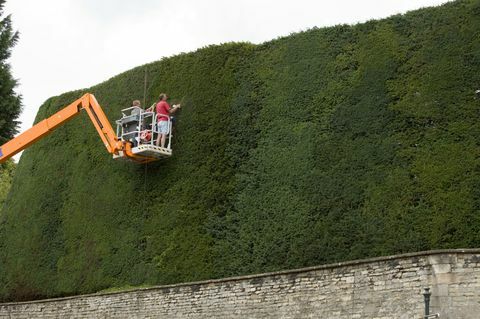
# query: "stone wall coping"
[[262, 275]]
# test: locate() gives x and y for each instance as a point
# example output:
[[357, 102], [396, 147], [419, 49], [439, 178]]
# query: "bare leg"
[[158, 139], [164, 138]]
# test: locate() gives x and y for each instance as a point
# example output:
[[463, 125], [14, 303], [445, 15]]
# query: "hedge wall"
[[327, 145]]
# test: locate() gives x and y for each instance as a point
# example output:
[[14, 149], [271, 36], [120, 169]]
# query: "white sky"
[[72, 44]]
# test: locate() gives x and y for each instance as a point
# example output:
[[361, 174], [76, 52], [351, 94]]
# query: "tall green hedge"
[[327, 145]]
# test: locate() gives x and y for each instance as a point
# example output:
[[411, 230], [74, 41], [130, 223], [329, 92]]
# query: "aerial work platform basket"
[[139, 128]]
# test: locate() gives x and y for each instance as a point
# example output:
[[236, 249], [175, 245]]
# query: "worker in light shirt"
[[163, 111]]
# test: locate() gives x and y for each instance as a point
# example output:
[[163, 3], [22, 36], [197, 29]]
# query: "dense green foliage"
[[6, 175], [10, 104], [327, 145]]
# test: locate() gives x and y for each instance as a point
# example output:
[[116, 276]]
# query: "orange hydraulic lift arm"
[[94, 111]]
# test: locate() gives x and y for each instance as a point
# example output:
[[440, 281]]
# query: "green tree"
[[10, 102]]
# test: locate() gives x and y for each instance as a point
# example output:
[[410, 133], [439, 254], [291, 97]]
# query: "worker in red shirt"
[[163, 111]]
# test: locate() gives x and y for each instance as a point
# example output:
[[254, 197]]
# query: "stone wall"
[[381, 288]]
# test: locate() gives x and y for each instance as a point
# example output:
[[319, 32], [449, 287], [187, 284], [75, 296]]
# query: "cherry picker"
[[133, 139]]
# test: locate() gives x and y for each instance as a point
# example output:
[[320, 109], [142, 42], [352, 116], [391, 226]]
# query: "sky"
[[66, 45]]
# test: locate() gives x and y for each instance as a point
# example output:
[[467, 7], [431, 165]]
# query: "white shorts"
[[163, 127]]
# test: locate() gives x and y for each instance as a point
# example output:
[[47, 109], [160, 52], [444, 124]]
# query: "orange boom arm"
[[98, 118]]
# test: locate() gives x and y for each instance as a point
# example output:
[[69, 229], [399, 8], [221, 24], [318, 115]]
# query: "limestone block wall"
[[378, 288]]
